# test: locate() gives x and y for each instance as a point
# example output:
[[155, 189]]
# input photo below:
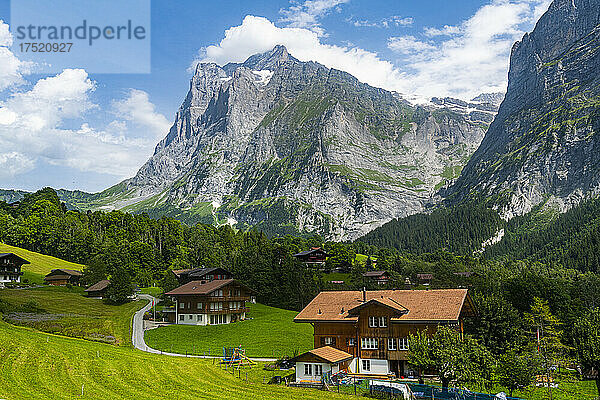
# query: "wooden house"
[[98, 290], [425, 279], [379, 277], [10, 268], [210, 303], [315, 256], [374, 326], [63, 277], [201, 274], [313, 365]]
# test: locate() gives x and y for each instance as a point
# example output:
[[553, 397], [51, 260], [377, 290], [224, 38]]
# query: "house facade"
[[63, 277], [210, 303], [374, 326], [315, 256], [379, 277], [10, 268], [314, 365]]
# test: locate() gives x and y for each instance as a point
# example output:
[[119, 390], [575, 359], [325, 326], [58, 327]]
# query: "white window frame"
[[369, 343], [318, 370], [181, 317], [366, 365], [351, 341], [199, 306], [383, 322], [182, 306], [373, 322], [199, 317], [308, 369], [403, 343], [328, 341], [392, 344]]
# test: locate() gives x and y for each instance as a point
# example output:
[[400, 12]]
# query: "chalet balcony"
[[228, 311]]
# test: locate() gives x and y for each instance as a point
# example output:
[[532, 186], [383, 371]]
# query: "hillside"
[[40, 265], [41, 366]]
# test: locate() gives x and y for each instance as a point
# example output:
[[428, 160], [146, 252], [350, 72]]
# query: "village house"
[[209, 303], [379, 277], [313, 365], [314, 257], [10, 268], [98, 290], [63, 277], [201, 274], [374, 326]]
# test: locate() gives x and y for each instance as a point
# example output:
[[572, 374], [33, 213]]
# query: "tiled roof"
[[441, 305], [197, 287], [98, 286], [329, 354], [375, 274], [66, 272]]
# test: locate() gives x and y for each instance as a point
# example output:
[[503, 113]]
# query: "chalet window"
[[392, 344], [308, 369], [190, 317], [366, 365], [369, 343], [199, 317], [373, 322], [382, 322], [318, 370], [217, 293], [182, 305], [199, 306], [330, 341], [350, 341], [182, 317], [403, 343]]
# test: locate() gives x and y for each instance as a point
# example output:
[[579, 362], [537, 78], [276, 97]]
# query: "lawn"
[[271, 333], [40, 265], [153, 291], [67, 312], [40, 366]]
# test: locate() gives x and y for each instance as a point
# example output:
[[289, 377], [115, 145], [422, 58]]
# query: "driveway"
[[137, 337]]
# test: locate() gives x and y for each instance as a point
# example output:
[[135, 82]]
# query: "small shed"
[[313, 365], [98, 290], [62, 277]]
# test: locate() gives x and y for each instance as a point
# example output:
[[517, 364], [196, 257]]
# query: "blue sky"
[[77, 130]]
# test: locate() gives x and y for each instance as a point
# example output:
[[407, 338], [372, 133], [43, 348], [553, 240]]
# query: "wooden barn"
[[98, 290], [63, 277]]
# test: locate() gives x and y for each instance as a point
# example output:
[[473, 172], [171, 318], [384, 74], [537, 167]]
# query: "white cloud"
[[472, 57], [308, 14], [11, 68], [13, 163], [33, 125], [393, 21], [138, 109], [460, 61]]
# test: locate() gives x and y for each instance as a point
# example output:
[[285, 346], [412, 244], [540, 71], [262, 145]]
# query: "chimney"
[[364, 293]]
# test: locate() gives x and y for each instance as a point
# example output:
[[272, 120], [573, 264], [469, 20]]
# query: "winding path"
[[137, 336]]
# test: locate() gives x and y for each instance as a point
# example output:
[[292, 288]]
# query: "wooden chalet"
[[201, 274], [379, 277], [425, 279], [314, 365], [10, 268], [98, 290], [314, 256], [374, 326], [63, 277], [210, 303]]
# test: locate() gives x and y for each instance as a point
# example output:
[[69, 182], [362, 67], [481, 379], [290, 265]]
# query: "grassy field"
[[40, 265], [153, 291], [41, 366], [67, 312], [271, 333]]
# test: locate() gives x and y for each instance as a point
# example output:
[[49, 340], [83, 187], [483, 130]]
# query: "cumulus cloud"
[[33, 125], [11, 68], [307, 15], [461, 61]]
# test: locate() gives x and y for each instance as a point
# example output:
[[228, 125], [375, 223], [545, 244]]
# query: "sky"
[[76, 129]]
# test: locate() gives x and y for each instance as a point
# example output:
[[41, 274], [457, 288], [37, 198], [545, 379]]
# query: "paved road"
[[137, 337]]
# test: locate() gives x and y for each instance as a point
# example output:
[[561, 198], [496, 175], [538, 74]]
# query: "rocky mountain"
[[295, 147], [544, 145], [482, 108]]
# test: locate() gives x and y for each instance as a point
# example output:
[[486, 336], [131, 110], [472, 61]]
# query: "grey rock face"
[[292, 146], [544, 142]]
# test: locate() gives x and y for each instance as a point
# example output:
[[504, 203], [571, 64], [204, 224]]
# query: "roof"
[[374, 274], [425, 276], [443, 305], [2, 255], [199, 288], [328, 354], [311, 251], [198, 272], [70, 272], [388, 302], [98, 286]]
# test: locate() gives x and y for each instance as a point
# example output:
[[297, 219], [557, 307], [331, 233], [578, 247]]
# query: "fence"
[[436, 392]]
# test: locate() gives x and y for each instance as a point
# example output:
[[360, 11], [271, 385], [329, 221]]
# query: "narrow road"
[[137, 337]]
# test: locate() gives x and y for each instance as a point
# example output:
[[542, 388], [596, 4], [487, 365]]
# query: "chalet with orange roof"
[[374, 326]]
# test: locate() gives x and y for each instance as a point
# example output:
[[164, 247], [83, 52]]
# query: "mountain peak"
[[269, 59]]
